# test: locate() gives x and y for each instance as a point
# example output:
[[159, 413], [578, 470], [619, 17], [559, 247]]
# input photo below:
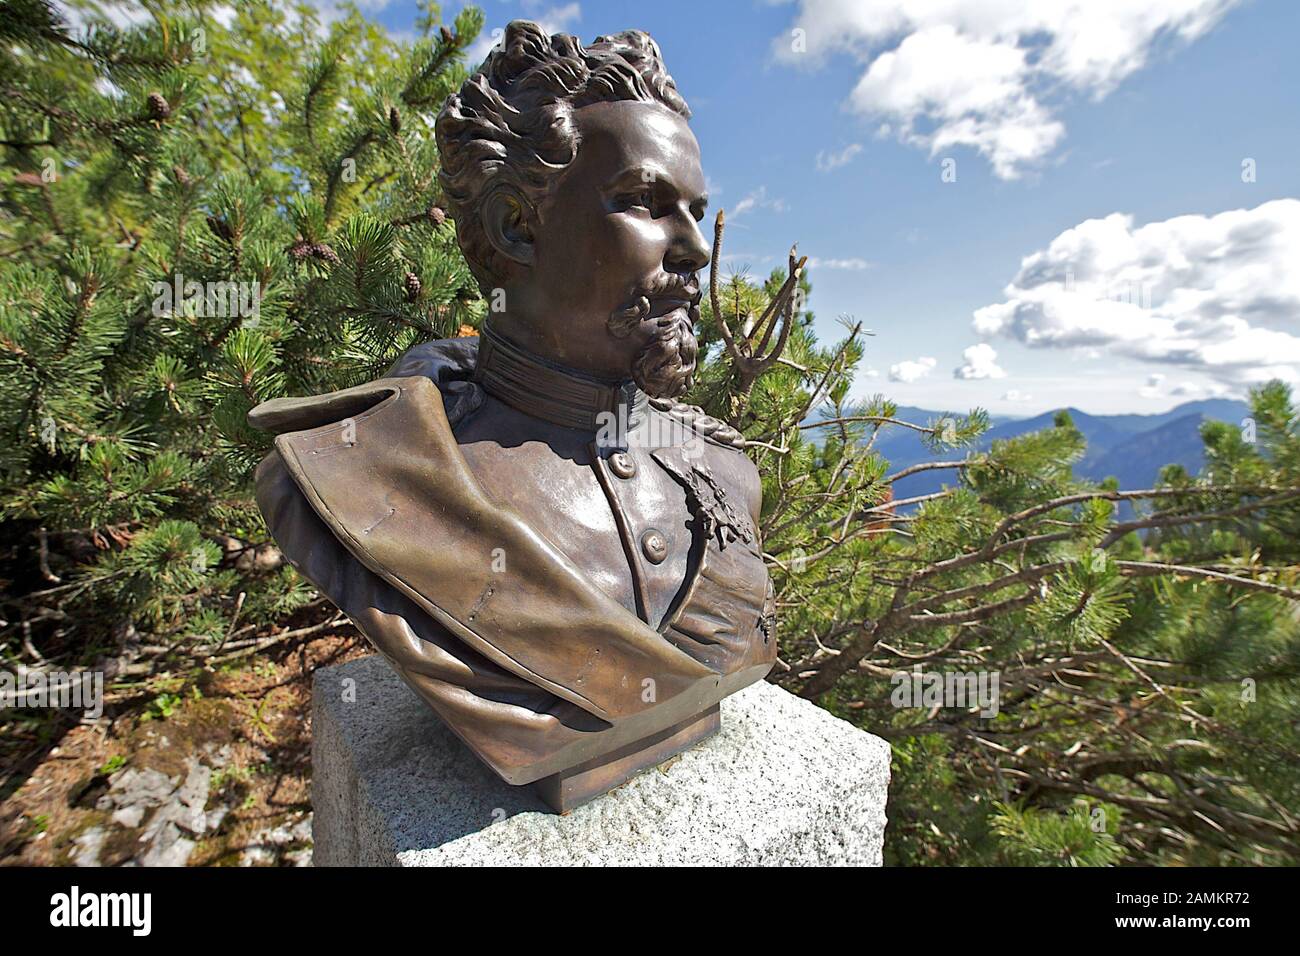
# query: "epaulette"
[[709, 427]]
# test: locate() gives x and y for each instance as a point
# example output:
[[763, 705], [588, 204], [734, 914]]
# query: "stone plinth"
[[783, 782]]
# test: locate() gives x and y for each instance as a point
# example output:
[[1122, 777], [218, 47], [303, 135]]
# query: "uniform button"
[[654, 545], [621, 464]]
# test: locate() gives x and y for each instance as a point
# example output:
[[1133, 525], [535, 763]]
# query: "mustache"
[[666, 287]]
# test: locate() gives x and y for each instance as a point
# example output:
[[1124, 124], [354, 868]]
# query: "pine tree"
[[1146, 641], [197, 217]]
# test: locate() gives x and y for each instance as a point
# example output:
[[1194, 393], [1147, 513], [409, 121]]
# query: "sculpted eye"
[[641, 198]]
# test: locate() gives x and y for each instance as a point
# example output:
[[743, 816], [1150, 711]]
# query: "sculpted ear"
[[508, 218]]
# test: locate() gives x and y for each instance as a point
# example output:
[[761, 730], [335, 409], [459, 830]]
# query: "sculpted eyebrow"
[[634, 178]]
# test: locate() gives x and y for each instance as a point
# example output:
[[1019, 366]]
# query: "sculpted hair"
[[512, 121]]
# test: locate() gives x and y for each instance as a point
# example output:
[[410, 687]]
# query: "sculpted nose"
[[688, 252]]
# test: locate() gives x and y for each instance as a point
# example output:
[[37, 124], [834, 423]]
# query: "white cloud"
[[981, 361], [1015, 395], [558, 19], [1216, 294], [828, 161], [758, 199], [555, 19], [909, 371], [987, 74], [853, 263]]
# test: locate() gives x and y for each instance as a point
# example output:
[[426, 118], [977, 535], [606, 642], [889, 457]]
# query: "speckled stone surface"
[[783, 783]]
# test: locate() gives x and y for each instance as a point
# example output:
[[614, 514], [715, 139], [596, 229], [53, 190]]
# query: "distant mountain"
[[1132, 448], [1137, 460]]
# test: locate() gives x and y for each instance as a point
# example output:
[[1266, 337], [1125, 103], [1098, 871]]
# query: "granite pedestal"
[[783, 782]]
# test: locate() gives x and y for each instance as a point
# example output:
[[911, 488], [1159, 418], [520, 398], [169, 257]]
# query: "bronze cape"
[[532, 664]]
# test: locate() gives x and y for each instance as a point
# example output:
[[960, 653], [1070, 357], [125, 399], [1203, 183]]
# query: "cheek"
[[630, 248], [614, 248]]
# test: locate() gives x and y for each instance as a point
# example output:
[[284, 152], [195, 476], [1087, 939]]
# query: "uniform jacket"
[[476, 593]]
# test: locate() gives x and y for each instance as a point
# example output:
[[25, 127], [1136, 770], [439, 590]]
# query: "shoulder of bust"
[[707, 427], [281, 415], [443, 367], [443, 360]]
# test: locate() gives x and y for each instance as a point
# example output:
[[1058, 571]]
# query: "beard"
[[665, 365]]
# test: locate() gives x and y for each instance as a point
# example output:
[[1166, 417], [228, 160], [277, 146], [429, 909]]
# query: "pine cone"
[[159, 108], [220, 229], [447, 35], [325, 253], [300, 250], [394, 120], [181, 176], [437, 216], [412, 285]]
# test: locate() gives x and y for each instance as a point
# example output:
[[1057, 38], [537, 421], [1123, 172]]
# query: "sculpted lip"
[[685, 297], [665, 305]]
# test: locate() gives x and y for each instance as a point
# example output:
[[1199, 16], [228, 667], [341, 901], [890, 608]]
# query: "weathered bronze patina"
[[557, 555]]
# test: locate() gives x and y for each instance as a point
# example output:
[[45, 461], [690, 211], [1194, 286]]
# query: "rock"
[[89, 842], [215, 817], [133, 788], [190, 798], [299, 857], [783, 782], [256, 855], [216, 757], [166, 846], [170, 811], [280, 844], [129, 817]]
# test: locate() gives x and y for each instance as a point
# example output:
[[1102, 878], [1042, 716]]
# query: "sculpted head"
[[577, 190]]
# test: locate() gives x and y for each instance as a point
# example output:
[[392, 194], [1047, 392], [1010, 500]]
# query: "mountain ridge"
[[1132, 447]]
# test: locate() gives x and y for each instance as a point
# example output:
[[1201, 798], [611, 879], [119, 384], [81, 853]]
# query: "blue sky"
[[1052, 121]]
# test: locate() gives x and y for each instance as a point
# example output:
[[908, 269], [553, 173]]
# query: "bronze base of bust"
[[569, 789]]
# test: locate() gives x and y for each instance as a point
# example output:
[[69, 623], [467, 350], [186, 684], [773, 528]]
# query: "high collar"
[[553, 392]]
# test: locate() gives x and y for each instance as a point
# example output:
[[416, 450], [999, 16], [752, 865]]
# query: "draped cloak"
[[369, 496]]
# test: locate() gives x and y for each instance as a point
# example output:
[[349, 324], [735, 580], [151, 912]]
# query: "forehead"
[[616, 137]]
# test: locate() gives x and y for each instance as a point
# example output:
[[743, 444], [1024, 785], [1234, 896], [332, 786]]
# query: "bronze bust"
[[559, 557]]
